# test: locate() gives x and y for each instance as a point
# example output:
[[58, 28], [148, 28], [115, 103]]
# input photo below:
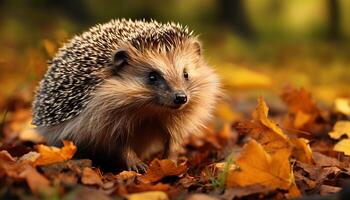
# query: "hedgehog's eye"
[[153, 77], [185, 75]]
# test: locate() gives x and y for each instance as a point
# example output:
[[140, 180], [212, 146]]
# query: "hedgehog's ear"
[[120, 59], [198, 47]]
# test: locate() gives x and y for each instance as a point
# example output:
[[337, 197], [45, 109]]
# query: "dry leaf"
[[50, 155], [148, 187], [201, 197], [256, 166], [301, 150], [340, 128], [91, 177], [343, 146], [262, 129], [127, 175], [153, 195], [36, 182], [159, 169], [342, 105]]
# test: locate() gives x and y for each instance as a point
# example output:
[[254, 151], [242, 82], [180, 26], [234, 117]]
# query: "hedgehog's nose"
[[180, 98]]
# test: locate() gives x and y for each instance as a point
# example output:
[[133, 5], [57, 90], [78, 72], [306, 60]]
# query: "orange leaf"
[[256, 166], [159, 169], [263, 129], [91, 177], [50, 155], [36, 182], [302, 150]]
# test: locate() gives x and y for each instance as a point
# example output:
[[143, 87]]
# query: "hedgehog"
[[125, 91]]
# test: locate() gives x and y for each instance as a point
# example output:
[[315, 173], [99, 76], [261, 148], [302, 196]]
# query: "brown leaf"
[[262, 129], [147, 187], [327, 189], [36, 182], [322, 160], [50, 155], [239, 192], [159, 169], [91, 177]]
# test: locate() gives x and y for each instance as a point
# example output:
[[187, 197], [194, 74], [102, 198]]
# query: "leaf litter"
[[302, 151]]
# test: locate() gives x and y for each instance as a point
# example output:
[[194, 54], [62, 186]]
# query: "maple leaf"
[[50, 155], [263, 129], [256, 166], [272, 138], [159, 169]]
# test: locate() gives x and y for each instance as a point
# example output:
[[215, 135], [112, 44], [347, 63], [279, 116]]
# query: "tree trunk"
[[233, 14]]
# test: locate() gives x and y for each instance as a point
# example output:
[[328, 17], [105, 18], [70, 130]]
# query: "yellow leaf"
[[343, 146], [339, 129], [302, 150], [256, 166], [239, 77], [342, 105], [152, 195], [261, 115], [50, 155]]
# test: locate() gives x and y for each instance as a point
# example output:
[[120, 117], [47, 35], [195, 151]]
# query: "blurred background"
[[256, 46]]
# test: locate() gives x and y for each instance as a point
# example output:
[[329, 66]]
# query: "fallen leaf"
[[147, 187], [50, 155], [343, 146], [91, 177], [23, 171], [159, 169], [342, 105], [299, 100], [263, 130], [256, 166], [303, 113], [322, 160], [126, 175], [36, 182], [301, 150], [201, 197], [328, 189], [239, 192], [152, 195], [340, 128]]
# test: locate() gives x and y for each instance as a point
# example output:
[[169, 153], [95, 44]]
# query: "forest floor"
[[289, 151], [267, 141]]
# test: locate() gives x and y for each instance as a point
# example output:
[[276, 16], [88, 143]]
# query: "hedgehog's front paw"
[[139, 167], [134, 163]]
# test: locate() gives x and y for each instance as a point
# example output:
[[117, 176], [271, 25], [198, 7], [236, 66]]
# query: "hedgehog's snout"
[[180, 98]]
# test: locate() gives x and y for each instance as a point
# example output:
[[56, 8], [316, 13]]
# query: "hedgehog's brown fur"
[[120, 122]]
